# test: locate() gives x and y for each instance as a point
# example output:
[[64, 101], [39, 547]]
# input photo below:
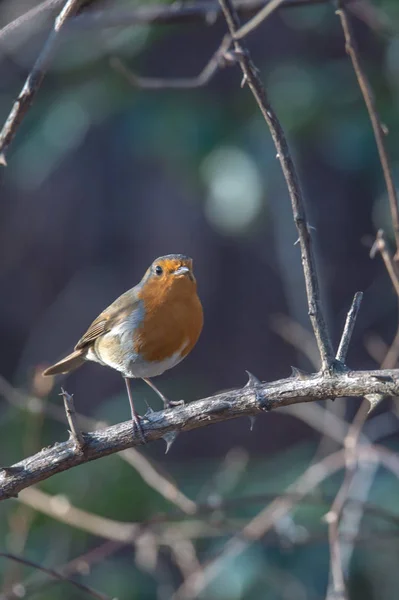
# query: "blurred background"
[[102, 178]]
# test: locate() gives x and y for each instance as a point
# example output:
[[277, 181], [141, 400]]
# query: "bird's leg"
[[135, 417], [166, 403]]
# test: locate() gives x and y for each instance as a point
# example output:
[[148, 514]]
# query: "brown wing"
[[115, 313]]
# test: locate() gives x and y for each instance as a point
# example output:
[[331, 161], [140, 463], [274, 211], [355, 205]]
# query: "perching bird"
[[147, 330]]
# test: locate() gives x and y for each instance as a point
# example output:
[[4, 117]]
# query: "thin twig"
[[218, 59], [55, 575], [251, 76], [70, 412], [378, 128], [34, 80], [156, 83], [247, 401], [77, 565], [337, 588], [349, 327], [381, 246]]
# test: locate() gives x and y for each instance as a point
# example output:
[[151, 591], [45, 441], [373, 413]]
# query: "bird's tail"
[[67, 364]]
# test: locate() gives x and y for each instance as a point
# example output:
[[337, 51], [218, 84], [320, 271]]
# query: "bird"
[[147, 330]]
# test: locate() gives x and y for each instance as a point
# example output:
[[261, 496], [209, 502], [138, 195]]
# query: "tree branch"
[[250, 400], [251, 76], [34, 80]]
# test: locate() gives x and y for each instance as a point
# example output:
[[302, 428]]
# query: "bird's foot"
[[138, 427]]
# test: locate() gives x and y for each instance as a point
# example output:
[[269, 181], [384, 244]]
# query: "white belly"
[[126, 360]]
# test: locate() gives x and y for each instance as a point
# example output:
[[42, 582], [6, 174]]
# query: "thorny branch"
[[143, 465], [248, 401], [251, 76]]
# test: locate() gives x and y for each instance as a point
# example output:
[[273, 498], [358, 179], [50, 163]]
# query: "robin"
[[147, 330]]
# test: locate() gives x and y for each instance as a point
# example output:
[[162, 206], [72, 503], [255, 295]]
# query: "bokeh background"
[[103, 178]]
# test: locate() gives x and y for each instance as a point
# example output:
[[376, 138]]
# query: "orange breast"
[[173, 321]]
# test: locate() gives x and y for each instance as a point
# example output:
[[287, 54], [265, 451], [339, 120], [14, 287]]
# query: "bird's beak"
[[182, 271]]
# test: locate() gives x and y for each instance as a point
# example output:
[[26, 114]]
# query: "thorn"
[[298, 373], [384, 129], [374, 400], [3, 160], [148, 412], [253, 381], [243, 81], [252, 420], [169, 439]]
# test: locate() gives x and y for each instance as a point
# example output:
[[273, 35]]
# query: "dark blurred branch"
[[219, 59], [337, 588], [378, 128], [250, 400], [34, 80], [251, 76], [257, 527], [54, 575], [155, 83], [207, 12]]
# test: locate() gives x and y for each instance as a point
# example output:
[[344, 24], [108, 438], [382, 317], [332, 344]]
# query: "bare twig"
[[221, 407], [59, 507], [70, 412], [349, 327], [156, 83], [251, 76], [218, 59], [34, 80], [337, 588], [381, 246], [55, 575], [378, 128]]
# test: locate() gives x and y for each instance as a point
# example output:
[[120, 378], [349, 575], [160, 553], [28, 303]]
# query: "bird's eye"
[[158, 270]]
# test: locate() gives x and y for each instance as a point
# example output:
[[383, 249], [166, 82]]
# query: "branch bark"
[[250, 400]]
